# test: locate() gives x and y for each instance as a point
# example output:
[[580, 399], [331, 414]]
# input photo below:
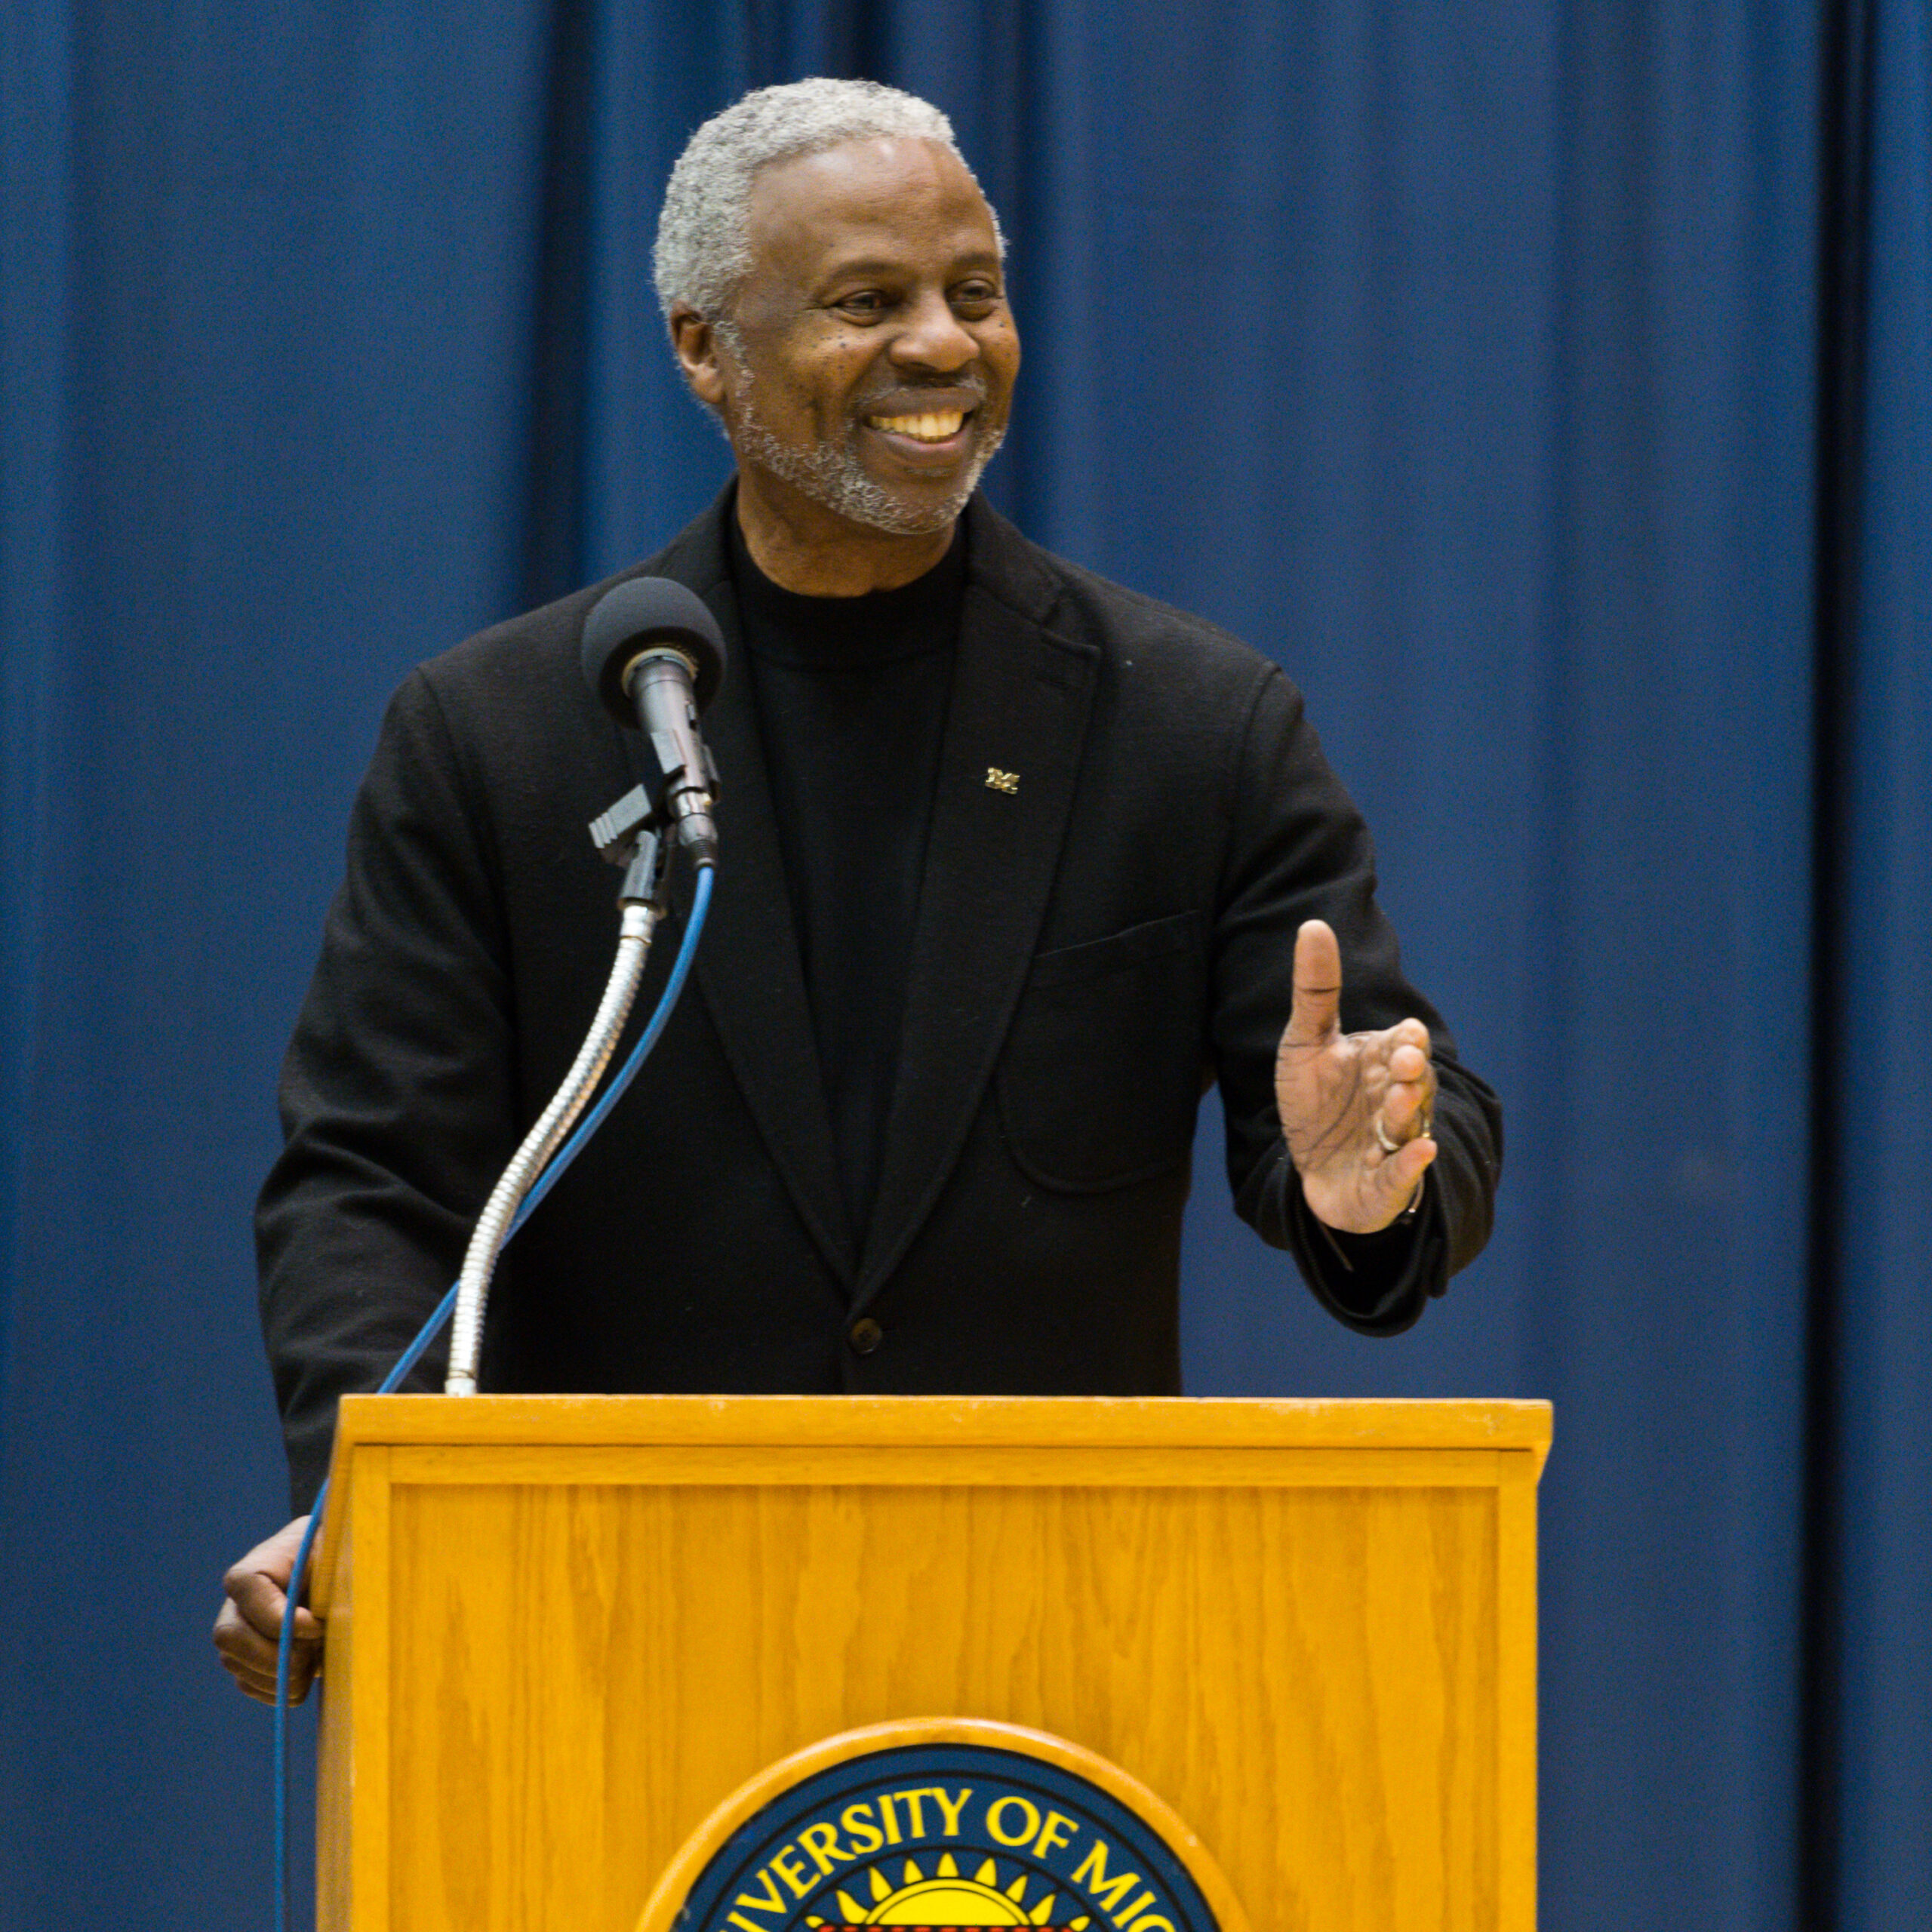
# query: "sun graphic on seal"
[[947, 1900]]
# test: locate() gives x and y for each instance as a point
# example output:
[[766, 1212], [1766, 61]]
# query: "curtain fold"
[[1875, 646], [35, 220]]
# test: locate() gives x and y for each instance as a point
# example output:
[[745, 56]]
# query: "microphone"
[[654, 657]]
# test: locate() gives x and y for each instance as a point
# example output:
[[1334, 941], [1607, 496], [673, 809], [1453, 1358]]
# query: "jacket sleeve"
[[396, 1098], [1297, 849]]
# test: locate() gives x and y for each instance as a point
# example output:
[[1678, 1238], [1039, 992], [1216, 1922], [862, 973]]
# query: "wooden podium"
[[561, 1630]]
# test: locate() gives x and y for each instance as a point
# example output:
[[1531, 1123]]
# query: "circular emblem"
[[953, 1825]]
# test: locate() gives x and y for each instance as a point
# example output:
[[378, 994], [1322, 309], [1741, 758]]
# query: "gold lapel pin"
[[998, 780]]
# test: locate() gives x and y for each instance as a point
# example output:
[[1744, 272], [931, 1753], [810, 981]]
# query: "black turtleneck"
[[851, 699]]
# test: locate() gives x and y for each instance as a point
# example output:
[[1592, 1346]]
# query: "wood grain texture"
[[1328, 1673], [950, 1420], [922, 1465], [1516, 1701], [354, 1811]]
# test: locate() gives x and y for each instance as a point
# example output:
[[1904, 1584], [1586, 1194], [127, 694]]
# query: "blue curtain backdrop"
[[1548, 387]]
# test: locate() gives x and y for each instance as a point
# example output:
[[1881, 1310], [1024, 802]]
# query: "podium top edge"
[[1151, 1422]]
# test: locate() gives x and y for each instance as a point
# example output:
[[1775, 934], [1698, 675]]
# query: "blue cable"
[[681, 968]]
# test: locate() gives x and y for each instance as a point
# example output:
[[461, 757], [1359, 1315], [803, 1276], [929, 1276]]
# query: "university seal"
[[953, 1825]]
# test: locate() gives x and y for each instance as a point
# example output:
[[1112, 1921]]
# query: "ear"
[[694, 342]]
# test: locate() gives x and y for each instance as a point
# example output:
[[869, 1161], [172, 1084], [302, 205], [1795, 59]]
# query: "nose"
[[934, 337]]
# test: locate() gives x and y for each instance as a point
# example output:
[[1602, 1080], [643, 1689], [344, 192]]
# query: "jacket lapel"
[[747, 966], [1017, 720], [1020, 701]]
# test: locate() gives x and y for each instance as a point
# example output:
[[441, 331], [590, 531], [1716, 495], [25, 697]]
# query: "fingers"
[[1401, 1171], [249, 1659], [1408, 1100], [1316, 1015], [258, 1585], [248, 1630]]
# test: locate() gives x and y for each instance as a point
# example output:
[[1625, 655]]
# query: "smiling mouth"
[[937, 426]]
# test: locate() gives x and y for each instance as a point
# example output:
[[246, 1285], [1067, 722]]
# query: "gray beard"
[[836, 478], [832, 475]]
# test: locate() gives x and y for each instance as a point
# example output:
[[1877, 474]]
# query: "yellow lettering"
[[915, 1810], [891, 1817], [1123, 1919], [1109, 1891], [771, 1902], [822, 1841], [800, 1881], [1025, 1832], [952, 1807], [857, 1819], [1049, 1838], [1152, 1919]]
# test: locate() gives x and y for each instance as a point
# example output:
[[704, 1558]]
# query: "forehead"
[[877, 201]]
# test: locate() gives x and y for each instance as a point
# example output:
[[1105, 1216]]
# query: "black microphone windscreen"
[[637, 614]]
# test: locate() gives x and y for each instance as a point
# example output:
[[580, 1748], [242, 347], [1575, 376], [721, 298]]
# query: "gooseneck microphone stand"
[[642, 903]]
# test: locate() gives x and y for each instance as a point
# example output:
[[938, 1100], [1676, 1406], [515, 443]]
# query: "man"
[[1012, 862]]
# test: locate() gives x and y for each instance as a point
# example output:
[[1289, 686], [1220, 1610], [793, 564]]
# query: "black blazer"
[[1092, 948]]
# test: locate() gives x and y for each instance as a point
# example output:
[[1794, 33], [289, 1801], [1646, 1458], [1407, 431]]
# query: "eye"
[[865, 304], [977, 297]]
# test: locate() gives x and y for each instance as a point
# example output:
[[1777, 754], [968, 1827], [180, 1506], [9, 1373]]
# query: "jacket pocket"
[[1102, 1075]]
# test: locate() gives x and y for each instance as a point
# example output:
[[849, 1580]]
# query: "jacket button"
[[865, 1336]]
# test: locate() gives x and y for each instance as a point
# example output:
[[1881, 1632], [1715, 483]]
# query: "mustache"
[[907, 395]]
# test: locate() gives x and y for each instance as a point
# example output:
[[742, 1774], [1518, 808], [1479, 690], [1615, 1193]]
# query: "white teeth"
[[934, 427]]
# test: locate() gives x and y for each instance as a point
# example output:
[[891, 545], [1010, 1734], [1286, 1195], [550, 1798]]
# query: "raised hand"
[[1355, 1108]]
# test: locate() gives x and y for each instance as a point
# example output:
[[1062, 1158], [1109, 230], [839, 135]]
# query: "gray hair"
[[704, 244]]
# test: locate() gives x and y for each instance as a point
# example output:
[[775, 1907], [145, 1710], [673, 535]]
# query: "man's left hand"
[[1346, 1099]]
